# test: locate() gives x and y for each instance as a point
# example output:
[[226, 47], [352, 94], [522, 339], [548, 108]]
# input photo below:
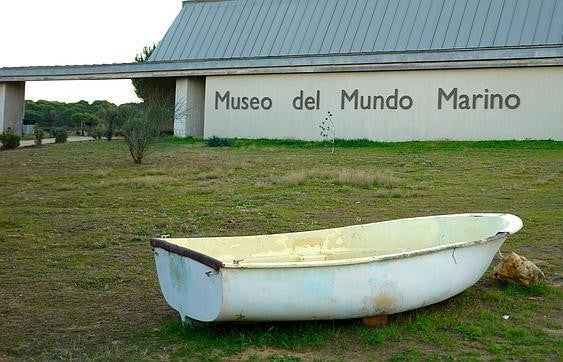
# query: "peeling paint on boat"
[[349, 272]]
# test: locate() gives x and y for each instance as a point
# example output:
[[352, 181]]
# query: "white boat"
[[349, 272]]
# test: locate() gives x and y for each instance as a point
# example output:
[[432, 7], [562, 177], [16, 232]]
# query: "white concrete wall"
[[539, 114], [190, 103], [12, 106]]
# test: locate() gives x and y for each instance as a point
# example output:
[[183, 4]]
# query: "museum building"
[[386, 70]]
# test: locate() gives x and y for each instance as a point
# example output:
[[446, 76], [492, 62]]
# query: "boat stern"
[[190, 286]]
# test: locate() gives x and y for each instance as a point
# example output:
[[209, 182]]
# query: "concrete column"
[[12, 106], [190, 107]]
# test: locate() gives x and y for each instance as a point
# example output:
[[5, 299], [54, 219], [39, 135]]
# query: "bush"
[[139, 133], [60, 136], [38, 134], [218, 142], [141, 129], [9, 140]]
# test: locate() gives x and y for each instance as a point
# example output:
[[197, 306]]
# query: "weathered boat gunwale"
[[188, 253], [218, 264]]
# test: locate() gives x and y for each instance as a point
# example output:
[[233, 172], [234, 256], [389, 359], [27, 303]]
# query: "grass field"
[[77, 277]]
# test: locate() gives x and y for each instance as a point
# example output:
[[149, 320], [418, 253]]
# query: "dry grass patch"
[[66, 187], [151, 181], [101, 173], [347, 176], [215, 174], [540, 181]]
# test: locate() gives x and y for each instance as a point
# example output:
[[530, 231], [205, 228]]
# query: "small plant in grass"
[[9, 140], [328, 131], [218, 142], [61, 136], [38, 135]]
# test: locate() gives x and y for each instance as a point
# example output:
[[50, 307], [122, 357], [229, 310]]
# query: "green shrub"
[[60, 136], [9, 140], [218, 142], [38, 134]]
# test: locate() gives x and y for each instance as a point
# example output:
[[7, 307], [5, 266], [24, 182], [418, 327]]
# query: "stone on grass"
[[518, 269]]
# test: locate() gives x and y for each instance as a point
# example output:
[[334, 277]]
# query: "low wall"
[[466, 104]]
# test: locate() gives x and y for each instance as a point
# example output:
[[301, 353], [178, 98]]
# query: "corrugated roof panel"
[[327, 32], [337, 30], [212, 23], [431, 23], [544, 23], [240, 25], [556, 29], [531, 22], [466, 25], [347, 27], [262, 40], [304, 25], [443, 24], [226, 28], [408, 25], [271, 40], [246, 42], [205, 29], [211, 39], [174, 51], [235, 29], [234, 21], [491, 24], [264, 28], [454, 24], [324, 11], [363, 26], [397, 24], [288, 22], [195, 32], [373, 9], [515, 31], [419, 25], [382, 23], [505, 22], [237, 46], [478, 26], [290, 27]]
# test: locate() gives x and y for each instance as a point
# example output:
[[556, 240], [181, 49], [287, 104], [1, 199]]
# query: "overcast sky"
[[59, 32]]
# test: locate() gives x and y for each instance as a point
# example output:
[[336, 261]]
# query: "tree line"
[[92, 116]]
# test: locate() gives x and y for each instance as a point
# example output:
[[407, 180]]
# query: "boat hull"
[[384, 286]]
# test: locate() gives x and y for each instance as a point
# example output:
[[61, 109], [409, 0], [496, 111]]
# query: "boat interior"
[[350, 242]]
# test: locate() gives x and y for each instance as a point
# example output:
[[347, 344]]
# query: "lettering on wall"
[[242, 103], [361, 101], [483, 100], [353, 99]]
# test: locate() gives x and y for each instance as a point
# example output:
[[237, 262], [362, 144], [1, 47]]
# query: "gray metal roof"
[[248, 29]]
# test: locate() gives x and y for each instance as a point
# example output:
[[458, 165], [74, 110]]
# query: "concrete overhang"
[[445, 59]]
